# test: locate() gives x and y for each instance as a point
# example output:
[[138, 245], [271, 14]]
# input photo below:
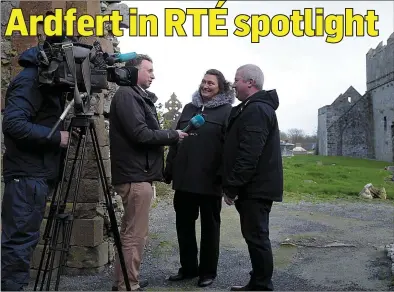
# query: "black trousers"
[[187, 207], [254, 218]]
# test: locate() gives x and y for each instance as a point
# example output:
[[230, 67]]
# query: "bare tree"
[[283, 136], [296, 135]]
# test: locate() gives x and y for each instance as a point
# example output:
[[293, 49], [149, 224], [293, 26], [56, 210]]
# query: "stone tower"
[[380, 85]]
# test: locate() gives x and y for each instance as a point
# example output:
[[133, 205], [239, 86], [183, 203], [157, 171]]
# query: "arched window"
[[385, 123]]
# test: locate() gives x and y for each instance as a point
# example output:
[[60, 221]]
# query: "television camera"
[[80, 69]]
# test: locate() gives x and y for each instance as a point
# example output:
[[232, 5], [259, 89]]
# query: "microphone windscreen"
[[197, 121], [126, 57]]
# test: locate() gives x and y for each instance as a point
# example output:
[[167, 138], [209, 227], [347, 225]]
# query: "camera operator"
[[30, 168], [137, 160]]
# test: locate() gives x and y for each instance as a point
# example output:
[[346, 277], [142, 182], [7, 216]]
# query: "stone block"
[[90, 7], [42, 232], [87, 232], [102, 134], [20, 44], [34, 272], [90, 191], [91, 171], [59, 4], [34, 7], [37, 255], [89, 152], [82, 210], [88, 257]]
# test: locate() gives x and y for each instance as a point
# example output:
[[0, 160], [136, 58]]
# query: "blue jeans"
[[23, 209]]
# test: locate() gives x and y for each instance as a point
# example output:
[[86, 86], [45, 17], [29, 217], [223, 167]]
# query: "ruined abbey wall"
[[91, 248], [380, 84], [360, 126]]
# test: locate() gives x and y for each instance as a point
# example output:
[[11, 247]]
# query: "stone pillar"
[[91, 248]]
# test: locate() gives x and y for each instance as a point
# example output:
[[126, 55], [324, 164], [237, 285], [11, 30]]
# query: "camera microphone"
[[120, 58], [194, 123]]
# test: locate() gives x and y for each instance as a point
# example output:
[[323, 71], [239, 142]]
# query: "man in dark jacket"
[[137, 160], [252, 169], [30, 167]]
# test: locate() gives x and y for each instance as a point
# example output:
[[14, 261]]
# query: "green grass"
[[325, 178], [328, 177]]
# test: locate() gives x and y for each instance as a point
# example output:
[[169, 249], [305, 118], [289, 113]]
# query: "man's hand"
[[64, 138], [182, 135]]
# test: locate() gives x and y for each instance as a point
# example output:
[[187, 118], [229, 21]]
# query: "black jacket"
[[193, 164], [252, 161], [136, 140], [30, 113]]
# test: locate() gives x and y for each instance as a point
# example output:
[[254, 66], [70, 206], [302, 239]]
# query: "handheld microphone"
[[194, 123], [120, 58]]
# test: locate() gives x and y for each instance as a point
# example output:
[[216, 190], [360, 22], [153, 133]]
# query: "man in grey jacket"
[[137, 160]]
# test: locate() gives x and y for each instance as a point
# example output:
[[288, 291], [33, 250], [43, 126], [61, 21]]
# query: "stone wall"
[[91, 248], [380, 83], [359, 126], [322, 130], [329, 121], [350, 135]]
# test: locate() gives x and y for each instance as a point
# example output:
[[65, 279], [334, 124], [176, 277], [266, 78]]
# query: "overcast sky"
[[307, 72]]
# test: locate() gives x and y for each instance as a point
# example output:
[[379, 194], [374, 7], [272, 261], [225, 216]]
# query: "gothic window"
[[349, 99]]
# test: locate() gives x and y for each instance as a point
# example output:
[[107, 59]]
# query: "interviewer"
[[137, 160]]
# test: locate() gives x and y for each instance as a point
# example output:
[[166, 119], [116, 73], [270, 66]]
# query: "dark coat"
[[252, 161], [30, 113], [136, 140], [193, 164]]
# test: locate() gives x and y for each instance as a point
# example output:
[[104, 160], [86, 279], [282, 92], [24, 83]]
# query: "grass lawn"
[[328, 177]]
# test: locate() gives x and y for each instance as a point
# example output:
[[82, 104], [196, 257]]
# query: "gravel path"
[[329, 247]]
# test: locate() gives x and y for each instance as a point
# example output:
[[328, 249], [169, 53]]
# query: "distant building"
[[286, 148]]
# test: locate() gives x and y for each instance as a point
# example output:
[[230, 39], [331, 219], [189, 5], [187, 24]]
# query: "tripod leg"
[[46, 235], [70, 218], [54, 208], [107, 194], [62, 220]]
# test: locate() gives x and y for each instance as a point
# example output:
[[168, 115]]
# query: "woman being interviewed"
[[193, 166]]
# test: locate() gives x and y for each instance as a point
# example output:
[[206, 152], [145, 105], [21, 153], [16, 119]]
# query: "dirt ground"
[[320, 247]]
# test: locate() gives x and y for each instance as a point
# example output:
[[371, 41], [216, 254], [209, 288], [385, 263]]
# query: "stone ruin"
[[91, 248], [358, 125]]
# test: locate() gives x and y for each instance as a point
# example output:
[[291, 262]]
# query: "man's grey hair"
[[136, 62], [250, 71]]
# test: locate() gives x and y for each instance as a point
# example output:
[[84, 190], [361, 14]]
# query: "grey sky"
[[308, 73]]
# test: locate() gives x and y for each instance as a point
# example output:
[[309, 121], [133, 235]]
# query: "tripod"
[[61, 221]]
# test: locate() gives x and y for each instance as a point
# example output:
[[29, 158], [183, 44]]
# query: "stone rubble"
[[390, 254]]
